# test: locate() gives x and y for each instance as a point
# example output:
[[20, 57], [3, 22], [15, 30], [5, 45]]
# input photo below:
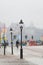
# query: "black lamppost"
[[4, 43], [11, 41], [21, 49]]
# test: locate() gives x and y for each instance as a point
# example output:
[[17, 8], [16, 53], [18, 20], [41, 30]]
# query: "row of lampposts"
[[21, 49], [11, 31]]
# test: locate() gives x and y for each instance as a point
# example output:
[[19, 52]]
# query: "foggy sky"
[[27, 10]]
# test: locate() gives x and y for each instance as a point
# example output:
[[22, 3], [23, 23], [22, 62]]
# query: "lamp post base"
[[21, 53], [4, 50], [12, 48]]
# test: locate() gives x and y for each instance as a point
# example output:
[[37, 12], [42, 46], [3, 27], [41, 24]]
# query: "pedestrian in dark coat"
[[17, 43]]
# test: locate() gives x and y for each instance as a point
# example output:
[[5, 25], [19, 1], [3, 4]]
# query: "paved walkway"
[[33, 55], [13, 60]]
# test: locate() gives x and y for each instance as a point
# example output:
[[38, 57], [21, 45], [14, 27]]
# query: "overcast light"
[[28, 10]]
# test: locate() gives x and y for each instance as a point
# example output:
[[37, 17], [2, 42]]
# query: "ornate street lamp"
[[11, 30], [21, 49]]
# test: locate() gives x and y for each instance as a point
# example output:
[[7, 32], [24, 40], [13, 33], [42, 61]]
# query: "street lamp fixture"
[[11, 30], [21, 49]]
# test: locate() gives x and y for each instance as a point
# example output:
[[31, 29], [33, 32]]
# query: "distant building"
[[27, 31]]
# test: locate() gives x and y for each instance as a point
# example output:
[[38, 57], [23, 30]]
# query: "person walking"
[[17, 43]]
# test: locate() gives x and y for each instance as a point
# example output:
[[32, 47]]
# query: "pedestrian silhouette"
[[17, 43]]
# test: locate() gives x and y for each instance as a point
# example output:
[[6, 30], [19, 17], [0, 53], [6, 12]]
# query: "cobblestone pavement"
[[13, 60]]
